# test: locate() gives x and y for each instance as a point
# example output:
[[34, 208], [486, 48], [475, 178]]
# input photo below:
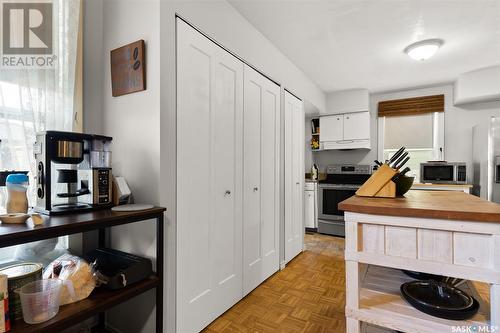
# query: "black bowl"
[[439, 299], [403, 184], [423, 276]]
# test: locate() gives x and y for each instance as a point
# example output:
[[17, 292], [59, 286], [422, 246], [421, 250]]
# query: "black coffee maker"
[[73, 172]]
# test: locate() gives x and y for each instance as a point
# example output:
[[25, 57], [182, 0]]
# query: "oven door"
[[330, 196]]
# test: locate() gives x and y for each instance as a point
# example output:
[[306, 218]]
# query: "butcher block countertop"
[[450, 205]]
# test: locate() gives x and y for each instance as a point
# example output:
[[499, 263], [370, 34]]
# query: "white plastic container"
[[40, 299], [17, 200]]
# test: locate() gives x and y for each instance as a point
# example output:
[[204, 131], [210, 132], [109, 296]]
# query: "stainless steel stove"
[[342, 181]]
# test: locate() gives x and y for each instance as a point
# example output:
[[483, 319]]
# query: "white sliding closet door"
[[209, 179], [294, 176], [261, 119]]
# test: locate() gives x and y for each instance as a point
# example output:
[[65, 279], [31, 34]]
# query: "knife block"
[[380, 184]]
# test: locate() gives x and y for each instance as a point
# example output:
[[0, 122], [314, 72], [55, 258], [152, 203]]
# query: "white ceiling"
[[344, 44]]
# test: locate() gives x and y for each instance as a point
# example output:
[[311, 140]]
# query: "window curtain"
[[412, 132], [34, 100], [411, 106]]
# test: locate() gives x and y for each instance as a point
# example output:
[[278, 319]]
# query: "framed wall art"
[[128, 69]]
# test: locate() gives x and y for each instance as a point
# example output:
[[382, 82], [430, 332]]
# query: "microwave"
[[443, 172]]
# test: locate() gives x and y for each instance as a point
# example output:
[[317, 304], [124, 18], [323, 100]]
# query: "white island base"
[[379, 246]]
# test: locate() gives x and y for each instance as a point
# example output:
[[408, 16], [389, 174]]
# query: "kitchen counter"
[[448, 205], [442, 187], [437, 232]]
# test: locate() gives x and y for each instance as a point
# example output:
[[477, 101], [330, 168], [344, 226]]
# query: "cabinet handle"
[[338, 118], [255, 189], [227, 193], [297, 183], [347, 117]]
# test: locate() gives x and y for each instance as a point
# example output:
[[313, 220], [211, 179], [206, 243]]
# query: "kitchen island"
[[437, 232]]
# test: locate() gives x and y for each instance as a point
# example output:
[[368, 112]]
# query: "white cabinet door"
[[294, 176], [356, 126], [209, 176], [309, 209], [261, 119], [331, 128]]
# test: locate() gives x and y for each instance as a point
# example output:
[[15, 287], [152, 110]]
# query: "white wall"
[[350, 100], [458, 127], [134, 123]]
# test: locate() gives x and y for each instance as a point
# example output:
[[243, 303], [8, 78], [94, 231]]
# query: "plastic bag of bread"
[[75, 269]]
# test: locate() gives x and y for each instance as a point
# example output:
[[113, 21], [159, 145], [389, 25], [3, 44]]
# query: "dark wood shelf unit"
[[101, 299], [61, 225]]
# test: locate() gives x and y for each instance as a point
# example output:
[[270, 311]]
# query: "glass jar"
[[17, 199]]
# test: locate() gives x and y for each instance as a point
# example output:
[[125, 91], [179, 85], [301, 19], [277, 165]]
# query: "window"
[[39, 99], [422, 135]]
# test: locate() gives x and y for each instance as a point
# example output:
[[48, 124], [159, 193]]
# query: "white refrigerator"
[[486, 160]]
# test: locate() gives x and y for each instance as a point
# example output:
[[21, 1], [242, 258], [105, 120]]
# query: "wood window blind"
[[411, 106]]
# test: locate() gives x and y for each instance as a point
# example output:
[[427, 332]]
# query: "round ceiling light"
[[424, 49]]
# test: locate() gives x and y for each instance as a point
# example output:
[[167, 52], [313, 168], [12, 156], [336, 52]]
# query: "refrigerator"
[[486, 160]]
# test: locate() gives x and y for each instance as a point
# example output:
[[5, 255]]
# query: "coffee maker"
[[73, 172]]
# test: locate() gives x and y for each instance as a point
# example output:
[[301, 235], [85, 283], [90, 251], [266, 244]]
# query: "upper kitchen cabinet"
[[346, 122], [345, 131], [357, 126], [332, 128]]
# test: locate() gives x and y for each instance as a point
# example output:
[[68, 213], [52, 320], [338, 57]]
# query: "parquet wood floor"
[[307, 296]]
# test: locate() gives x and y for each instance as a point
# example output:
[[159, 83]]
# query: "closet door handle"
[[227, 193], [255, 189]]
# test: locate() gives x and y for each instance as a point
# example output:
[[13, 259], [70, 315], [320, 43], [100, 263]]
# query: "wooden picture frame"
[[128, 69]]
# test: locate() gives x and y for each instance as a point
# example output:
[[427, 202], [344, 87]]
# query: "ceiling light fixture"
[[423, 49]]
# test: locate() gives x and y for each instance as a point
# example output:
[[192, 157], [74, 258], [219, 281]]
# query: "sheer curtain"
[[33, 100]]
